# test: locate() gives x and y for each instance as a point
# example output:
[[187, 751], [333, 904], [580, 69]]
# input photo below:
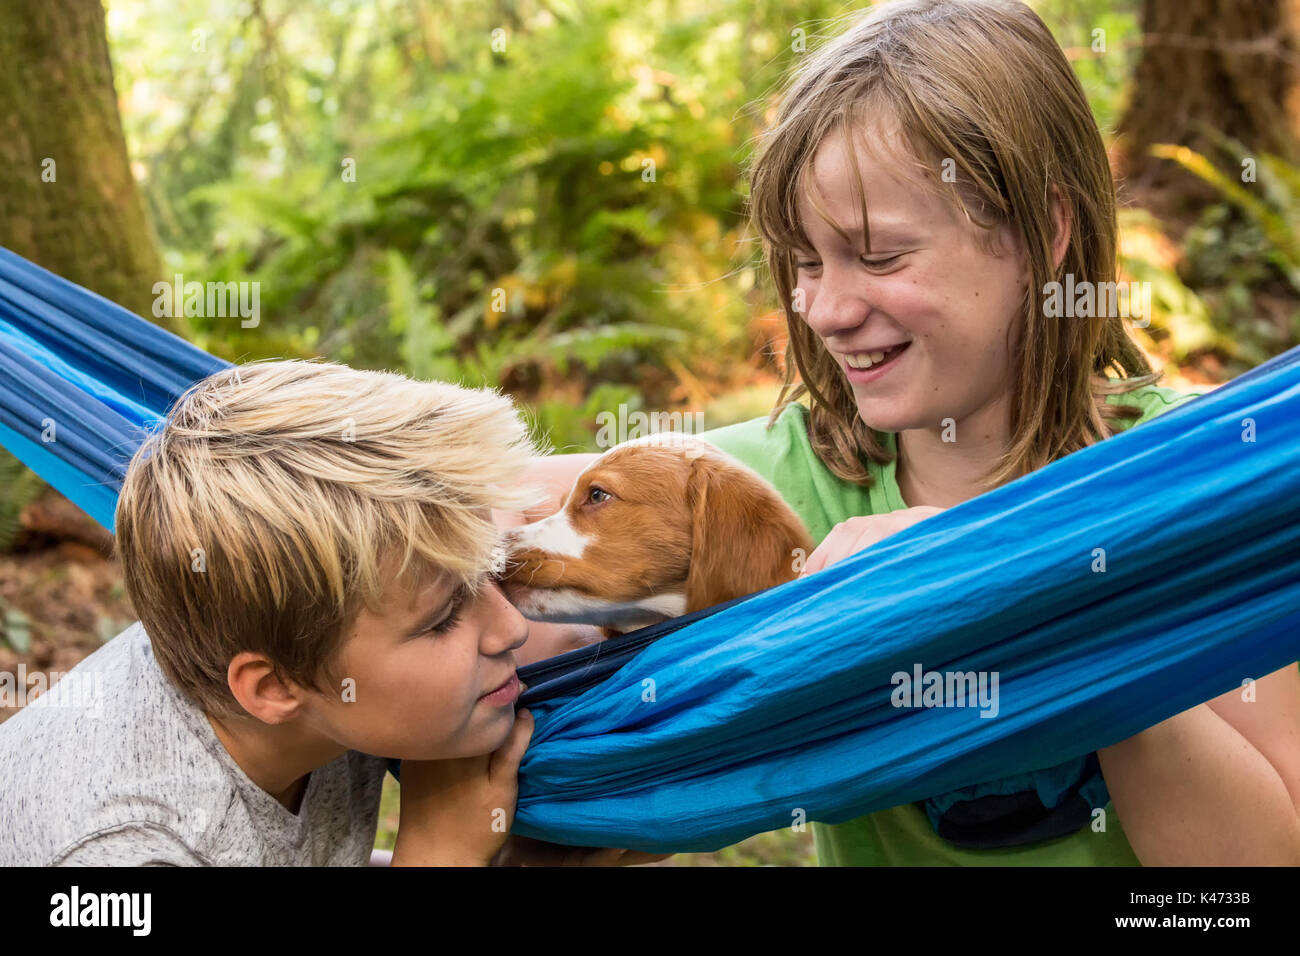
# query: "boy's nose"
[[511, 630]]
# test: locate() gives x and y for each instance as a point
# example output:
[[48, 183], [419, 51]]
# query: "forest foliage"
[[546, 195]]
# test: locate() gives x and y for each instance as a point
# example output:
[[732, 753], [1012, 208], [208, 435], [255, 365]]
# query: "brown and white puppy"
[[654, 528]]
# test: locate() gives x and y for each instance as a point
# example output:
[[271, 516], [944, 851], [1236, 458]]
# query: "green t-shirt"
[[902, 836]]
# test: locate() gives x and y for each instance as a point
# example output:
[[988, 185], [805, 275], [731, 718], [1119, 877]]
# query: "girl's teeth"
[[865, 360]]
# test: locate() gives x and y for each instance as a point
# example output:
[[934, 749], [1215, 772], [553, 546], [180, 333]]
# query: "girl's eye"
[[811, 265], [594, 492]]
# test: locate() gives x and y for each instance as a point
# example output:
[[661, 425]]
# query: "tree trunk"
[[69, 201], [1227, 65]]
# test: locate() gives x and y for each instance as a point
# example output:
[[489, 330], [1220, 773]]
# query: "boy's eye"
[[447, 623], [808, 265], [453, 618]]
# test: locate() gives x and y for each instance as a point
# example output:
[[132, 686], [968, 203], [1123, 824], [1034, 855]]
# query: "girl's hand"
[[856, 534], [458, 812]]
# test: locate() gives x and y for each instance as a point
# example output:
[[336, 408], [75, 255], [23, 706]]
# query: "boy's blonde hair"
[[984, 84], [277, 499]]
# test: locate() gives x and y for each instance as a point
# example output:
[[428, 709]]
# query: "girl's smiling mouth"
[[868, 365]]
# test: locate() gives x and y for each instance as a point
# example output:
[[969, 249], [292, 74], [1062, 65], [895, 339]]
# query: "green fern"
[[589, 346], [1274, 207], [428, 347]]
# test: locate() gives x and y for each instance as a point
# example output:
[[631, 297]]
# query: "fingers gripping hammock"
[[699, 732]]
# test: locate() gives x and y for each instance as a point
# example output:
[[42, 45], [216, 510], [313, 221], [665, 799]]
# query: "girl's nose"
[[839, 306]]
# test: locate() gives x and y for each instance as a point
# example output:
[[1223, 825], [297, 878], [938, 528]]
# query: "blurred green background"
[[517, 176]]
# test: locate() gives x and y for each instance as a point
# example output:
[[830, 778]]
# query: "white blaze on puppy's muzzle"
[[554, 535]]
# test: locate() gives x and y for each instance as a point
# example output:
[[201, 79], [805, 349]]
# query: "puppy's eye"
[[597, 495]]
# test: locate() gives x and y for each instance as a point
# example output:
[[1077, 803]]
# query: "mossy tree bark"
[[69, 201]]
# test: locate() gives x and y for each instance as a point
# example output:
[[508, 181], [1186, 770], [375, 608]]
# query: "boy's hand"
[[525, 851], [458, 812], [857, 534]]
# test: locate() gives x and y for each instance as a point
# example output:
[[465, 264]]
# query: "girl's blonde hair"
[[278, 499], [984, 84]]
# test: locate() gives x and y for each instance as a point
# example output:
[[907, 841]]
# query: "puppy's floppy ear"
[[743, 536]]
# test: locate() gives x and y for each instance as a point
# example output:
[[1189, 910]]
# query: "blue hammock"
[[746, 717], [82, 380]]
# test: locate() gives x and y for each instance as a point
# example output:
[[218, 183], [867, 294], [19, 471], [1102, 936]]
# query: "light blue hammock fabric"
[[778, 707]]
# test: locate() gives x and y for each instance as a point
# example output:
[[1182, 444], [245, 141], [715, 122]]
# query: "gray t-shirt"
[[114, 766]]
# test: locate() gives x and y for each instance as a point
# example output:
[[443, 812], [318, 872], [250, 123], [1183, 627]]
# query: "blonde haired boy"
[[310, 549]]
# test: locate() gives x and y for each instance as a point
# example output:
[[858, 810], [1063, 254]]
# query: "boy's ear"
[[1063, 218], [254, 684]]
